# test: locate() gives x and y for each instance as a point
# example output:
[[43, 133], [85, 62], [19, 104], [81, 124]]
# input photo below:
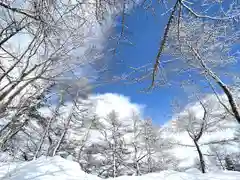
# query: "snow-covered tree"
[[43, 45], [113, 147], [196, 128], [150, 140], [138, 155], [202, 48]]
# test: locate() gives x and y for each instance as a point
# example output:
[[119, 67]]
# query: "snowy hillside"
[[62, 169]]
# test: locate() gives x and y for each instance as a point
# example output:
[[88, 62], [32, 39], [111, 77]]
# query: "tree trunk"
[[221, 84], [47, 129], [200, 155], [63, 133], [136, 163], [114, 165], [43, 138], [231, 101]]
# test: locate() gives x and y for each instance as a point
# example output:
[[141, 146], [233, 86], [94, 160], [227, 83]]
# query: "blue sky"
[[144, 31]]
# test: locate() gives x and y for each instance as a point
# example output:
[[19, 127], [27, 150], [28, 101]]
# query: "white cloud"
[[104, 104], [107, 102]]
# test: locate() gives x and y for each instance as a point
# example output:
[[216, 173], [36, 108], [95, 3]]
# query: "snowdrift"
[[52, 168]]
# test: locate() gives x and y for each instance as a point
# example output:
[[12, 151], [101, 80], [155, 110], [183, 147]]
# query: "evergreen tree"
[[229, 163]]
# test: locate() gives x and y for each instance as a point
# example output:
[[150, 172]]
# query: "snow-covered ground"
[[50, 168]]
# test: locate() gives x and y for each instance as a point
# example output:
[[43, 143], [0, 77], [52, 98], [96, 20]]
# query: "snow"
[[44, 169], [48, 168]]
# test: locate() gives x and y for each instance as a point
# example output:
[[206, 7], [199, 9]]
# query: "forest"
[[55, 53]]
